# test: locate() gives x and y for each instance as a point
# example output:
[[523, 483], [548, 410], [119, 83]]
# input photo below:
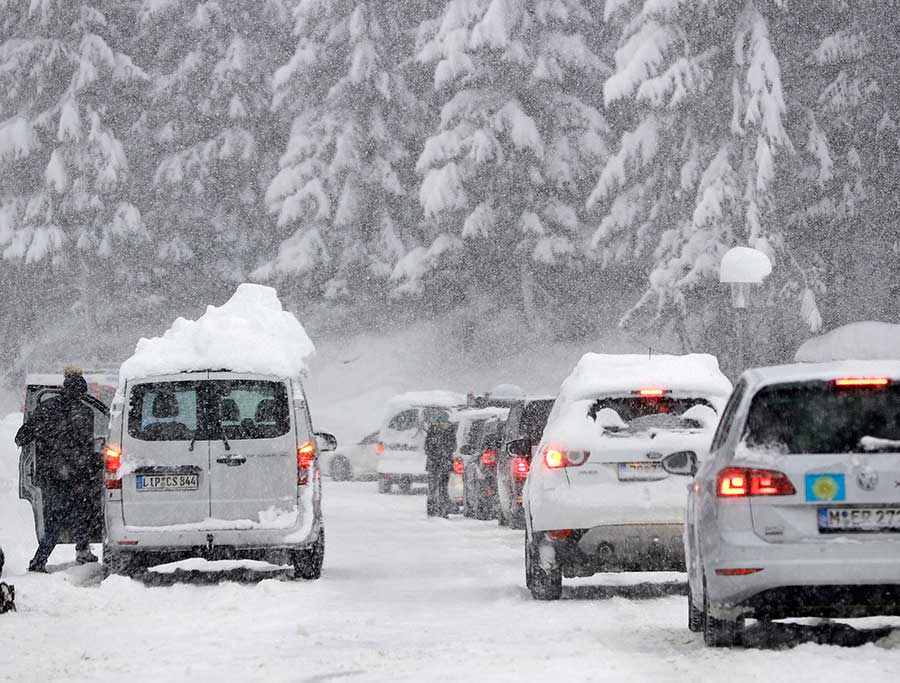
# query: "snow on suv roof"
[[434, 398], [810, 372], [597, 374]]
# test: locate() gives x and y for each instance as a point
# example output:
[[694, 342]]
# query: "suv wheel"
[[308, 562], [340, 469], [384, 484], [695, 616], [719, 632], [543, 585]]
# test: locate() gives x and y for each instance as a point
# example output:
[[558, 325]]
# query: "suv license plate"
[[641, 471], [167, 482], [858, 520]]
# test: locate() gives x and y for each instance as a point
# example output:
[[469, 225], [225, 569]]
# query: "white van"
[[214, 464]]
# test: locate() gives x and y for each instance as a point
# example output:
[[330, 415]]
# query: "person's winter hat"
[[74, 382]]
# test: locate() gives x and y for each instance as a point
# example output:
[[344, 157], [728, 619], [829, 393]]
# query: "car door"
[[165, 452], [30, 489], [253, 458]]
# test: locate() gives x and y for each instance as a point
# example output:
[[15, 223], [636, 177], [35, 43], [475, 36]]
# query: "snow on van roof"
[[598, 373], [436, 398], [869, 340], [251, 332]]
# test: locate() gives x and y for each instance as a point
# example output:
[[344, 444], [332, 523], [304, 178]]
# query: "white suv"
[[797, 511], [213, 464], [597, 498]]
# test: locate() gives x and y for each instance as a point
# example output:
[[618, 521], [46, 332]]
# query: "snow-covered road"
[[402, 597]]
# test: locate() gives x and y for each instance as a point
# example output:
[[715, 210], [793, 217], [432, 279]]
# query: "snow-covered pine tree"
[[343, 195], [68, 217], [209, 139], [696, 172], [506, 173]]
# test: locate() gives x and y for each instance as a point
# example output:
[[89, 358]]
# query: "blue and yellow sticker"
[[825, 487]]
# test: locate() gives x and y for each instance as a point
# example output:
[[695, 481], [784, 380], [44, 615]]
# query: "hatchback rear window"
[[819, 417], [641, 412]]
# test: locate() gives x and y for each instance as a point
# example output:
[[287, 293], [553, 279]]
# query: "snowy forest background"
[[559, 167]]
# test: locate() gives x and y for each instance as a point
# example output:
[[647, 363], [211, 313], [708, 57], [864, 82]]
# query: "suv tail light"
[[459, 466], [489, 458], [113, 460], [379, 448], [737, 482], [305, 455], [520, 467], [555, 457]]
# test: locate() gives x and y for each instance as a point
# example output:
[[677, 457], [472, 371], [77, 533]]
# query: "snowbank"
[[249, 333], [857, 341], [197, 564], [694, 373]]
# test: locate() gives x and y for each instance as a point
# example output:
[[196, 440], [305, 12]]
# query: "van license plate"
[[167, 482], [858, 520]]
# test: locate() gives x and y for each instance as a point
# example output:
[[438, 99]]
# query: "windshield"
[[642, 413], [817, 417], [203, 410]]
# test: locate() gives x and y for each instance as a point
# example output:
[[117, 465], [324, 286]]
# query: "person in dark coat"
[[66, 467], [440, 444]]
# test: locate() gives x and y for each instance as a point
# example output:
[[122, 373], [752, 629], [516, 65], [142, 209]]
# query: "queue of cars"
[[779, 497]]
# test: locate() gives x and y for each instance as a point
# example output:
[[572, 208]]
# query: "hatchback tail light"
[[520, 467], [488, 458], [458, 466], [737, 482], [305, 456], [558, 534], [555, 457]]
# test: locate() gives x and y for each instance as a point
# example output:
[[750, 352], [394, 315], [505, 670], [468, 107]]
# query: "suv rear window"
[[208, 409], [818, 417]]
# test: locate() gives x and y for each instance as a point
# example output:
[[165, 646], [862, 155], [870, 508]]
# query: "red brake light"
[[558, 534], [555, 457], [458, 466], [488, 458], [743, 571], [652, 393], [113, 460], [305, 455], [862, 382], [520, 467], [737, 481], [379, 448]]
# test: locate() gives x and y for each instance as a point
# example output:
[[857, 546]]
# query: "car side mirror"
[[467, 449], [520, 448], [326, 442], [683, 463]]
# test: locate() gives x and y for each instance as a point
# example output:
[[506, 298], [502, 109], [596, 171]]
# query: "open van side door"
[[30, 490]]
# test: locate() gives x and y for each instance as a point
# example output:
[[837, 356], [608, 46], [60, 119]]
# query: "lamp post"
[[742, 267]]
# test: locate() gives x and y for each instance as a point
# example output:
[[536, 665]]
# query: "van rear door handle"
[[233, 461]]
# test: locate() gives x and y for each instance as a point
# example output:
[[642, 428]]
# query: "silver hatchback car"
[[796, 512]]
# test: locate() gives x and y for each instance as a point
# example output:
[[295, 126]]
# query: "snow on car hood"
[[251, 333]]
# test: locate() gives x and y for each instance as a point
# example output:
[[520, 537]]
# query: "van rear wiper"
[[193, 441]]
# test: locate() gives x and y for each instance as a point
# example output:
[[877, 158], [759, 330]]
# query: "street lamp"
[[742, 267]]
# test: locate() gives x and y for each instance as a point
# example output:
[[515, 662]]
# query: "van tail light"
[[738, 482], [305, 456], [489, 458], [556, 457], [520, 467], [113, 462], [458, 466], [379, 448]]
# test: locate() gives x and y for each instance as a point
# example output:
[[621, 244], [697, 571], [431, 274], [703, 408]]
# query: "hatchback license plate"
[[859, 520], [641, 471], [167, 482]]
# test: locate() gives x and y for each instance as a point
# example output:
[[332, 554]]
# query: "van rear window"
[[818, 417], [209, 409]]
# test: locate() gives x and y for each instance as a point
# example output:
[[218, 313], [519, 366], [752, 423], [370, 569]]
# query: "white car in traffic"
[[797, 511], [357, 461], [597, 498]]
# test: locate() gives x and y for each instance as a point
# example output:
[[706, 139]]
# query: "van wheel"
[[340, 469], [308, 562], [384, 485], [720, 632], [543, 585]]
